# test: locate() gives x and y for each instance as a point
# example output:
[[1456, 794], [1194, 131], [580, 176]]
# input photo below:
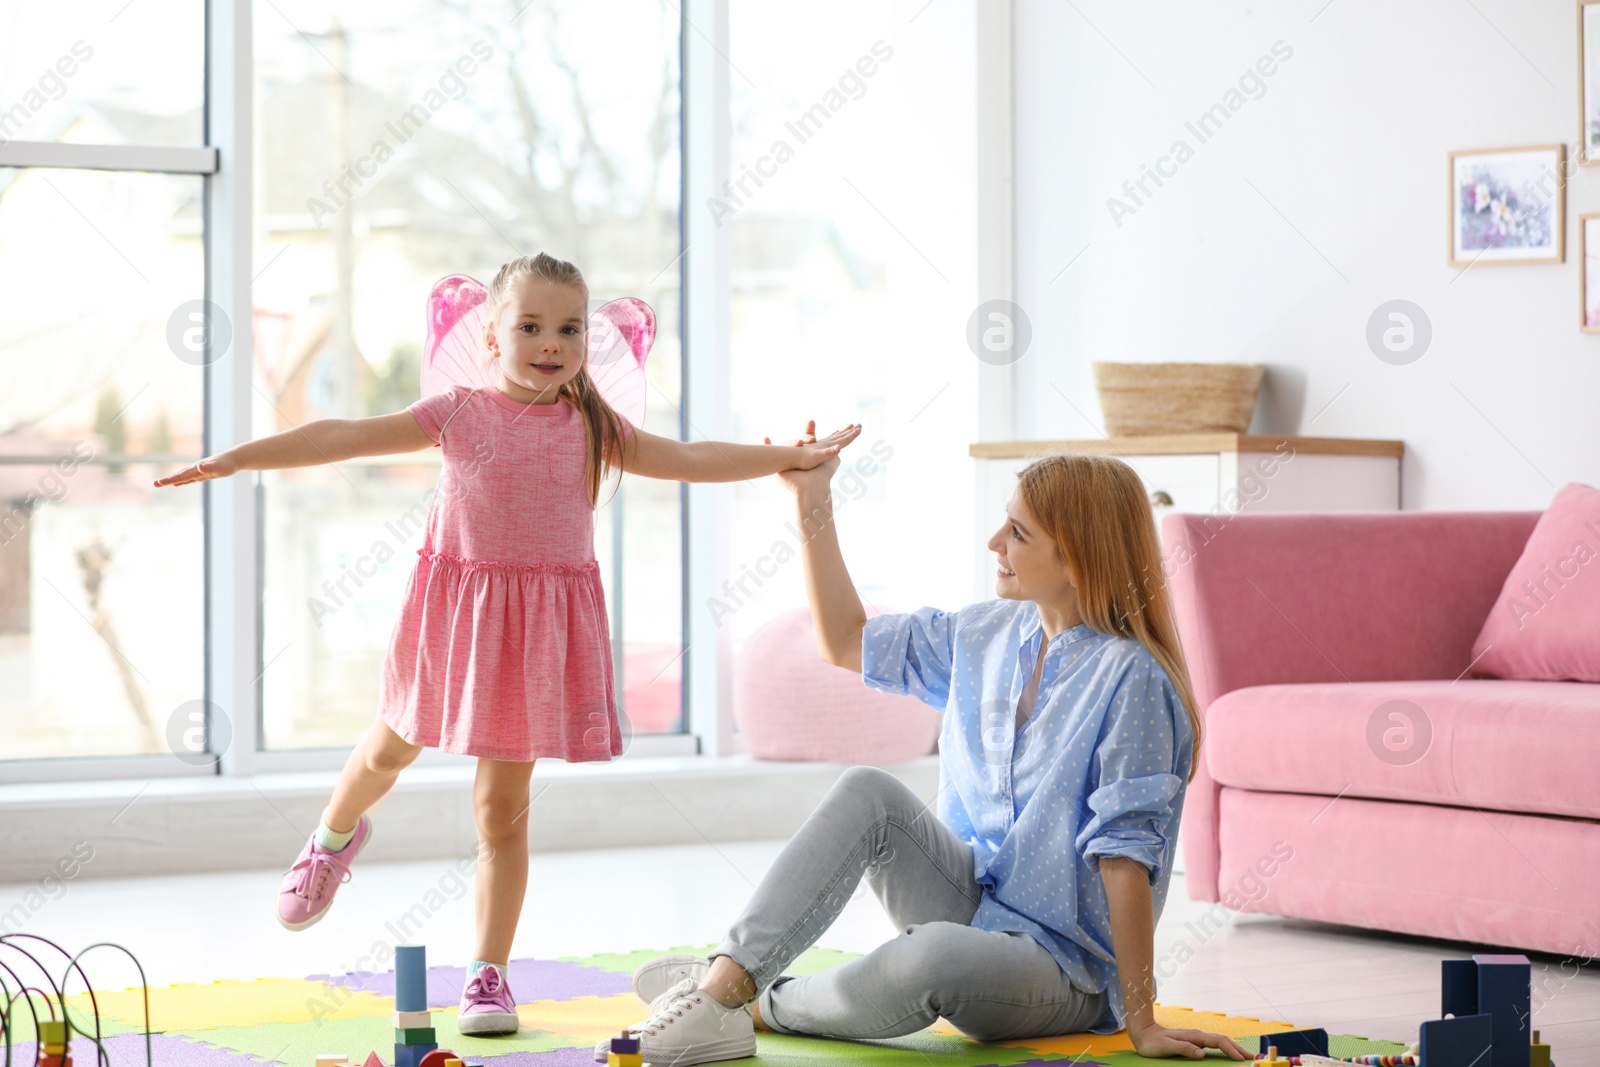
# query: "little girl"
[[502, 650]]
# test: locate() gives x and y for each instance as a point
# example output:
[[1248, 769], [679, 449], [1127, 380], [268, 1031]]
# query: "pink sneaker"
[[486, 1005], [308, 887]]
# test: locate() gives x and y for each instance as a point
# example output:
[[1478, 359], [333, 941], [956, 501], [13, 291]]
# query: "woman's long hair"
[[602, 424], [1095, 510]]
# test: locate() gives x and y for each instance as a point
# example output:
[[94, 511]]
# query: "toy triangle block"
[[372, 1060]]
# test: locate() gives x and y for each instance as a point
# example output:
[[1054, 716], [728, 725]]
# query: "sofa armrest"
[[1271, 599]]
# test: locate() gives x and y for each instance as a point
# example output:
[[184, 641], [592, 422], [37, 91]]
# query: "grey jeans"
[[990, 986]]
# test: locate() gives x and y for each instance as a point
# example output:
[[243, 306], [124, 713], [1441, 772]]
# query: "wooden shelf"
[[1188, 443]]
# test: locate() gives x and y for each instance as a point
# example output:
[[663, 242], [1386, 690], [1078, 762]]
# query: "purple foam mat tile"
[[128, 1050], [530, 980], [561, 1057]]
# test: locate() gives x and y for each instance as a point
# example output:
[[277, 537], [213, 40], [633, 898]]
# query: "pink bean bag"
[[790, 705]]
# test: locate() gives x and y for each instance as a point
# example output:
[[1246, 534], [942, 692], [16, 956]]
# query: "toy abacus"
[[53, 1034]]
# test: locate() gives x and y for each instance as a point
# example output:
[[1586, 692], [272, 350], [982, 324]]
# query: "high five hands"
[[820, 457]]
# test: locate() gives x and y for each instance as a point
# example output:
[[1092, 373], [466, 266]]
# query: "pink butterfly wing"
[[620, 336], [454, 352]]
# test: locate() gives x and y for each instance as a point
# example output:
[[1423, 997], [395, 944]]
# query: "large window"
[[102, 649]]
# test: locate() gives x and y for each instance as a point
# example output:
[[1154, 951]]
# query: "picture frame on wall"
[[1589, 272], [1588, 82], [1508, 205]]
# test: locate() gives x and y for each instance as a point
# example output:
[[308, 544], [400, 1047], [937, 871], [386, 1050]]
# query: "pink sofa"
[[1330, 654]]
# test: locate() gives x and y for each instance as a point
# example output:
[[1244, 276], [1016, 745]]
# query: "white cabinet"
[[1212, 473]]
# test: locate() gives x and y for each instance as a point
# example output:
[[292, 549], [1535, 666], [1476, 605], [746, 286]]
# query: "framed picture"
[[1589, 272], [1508, 205], [1589, 81]]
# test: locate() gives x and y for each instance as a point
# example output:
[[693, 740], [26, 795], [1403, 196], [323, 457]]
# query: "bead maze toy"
[[1485, 1008], [53, 1035]]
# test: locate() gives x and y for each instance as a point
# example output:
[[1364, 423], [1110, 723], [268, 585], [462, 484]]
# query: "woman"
[[1027, 906]]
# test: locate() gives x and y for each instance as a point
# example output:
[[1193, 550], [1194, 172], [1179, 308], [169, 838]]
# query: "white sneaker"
[[656, 977], [689, 1027]]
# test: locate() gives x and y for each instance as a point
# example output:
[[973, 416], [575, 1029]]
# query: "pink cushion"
[[790, 705], [1507, 745], [1488, 877], [1546, 622]]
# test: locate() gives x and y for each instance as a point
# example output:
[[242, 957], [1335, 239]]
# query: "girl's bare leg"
[[730, 984], [368, 774], [500, 809]]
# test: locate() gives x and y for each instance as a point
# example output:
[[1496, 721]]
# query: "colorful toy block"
[[1504, 994], [412, 1020], [412, 1055], [372, 1060], [1300, 1042], [624, 1052], [53, 1032], [1538, 1052], [1272, 1059], [438, 1058], [421, 1036], [61, 1060], [410, 978], [329, 1059], [1464, 1040]]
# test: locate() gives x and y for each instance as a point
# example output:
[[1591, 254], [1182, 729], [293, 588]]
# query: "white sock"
[[332, 840]]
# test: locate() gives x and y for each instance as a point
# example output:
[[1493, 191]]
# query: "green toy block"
[[415, 1037]]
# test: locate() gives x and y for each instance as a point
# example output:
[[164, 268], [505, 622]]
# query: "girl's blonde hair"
[[602, 424], [1095, 510]]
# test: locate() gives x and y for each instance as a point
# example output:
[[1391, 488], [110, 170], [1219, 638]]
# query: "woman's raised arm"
[[322, 441], [836, 610]]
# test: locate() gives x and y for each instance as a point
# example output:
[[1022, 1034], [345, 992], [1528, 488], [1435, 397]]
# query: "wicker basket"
[[1139, 399]]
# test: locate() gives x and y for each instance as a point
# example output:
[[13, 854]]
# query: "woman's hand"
[[1155, 1040], [219, 466], [819, 459]]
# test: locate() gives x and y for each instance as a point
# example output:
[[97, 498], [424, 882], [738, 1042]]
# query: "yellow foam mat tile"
[[204, 1006], [1173, 1017]]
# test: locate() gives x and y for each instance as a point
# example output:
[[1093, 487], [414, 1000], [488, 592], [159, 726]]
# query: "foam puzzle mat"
[[565, 1005]]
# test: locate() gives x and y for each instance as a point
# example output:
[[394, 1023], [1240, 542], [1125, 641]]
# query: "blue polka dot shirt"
[[1097, 769]]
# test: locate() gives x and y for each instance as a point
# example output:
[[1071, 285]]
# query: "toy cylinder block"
[[412, 1020], [411, 978], [53, 1031], [422, 1036]]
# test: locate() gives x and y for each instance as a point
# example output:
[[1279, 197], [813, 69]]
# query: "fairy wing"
[[454, 353], [620, 336]]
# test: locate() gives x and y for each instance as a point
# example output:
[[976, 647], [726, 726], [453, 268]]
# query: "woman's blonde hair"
[[602, 424], [1095, 510]]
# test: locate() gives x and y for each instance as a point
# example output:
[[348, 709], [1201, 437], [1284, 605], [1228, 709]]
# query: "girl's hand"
[[218, 466], [1157, 1041]]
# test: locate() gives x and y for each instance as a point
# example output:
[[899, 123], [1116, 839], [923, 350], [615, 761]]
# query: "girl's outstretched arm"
[[322, 441], [719, 461], [836, 611]]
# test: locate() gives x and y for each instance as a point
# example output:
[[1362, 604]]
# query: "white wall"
[[1314, 204]]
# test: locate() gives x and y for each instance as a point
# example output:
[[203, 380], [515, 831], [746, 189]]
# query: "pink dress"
[[502, 649]]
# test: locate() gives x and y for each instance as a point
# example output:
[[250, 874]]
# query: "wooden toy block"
[[1504, 994], [53, 1032], [421, 1036], [1538, 1052], [55, 1061], [413, 1020], [1272, 1059], [437, 1058], [373, 1060], [625, 1044], [1464, 1041], [1312, 1042], [625, 1059], [1458, 988], [329, 1059], [412, 1055], [410, 978], [453, 1063]]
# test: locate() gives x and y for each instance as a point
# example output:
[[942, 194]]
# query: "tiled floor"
[[204, 927]]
